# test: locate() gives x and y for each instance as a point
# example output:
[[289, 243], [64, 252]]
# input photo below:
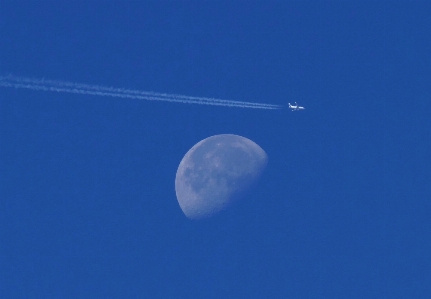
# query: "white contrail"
[[78, 88]]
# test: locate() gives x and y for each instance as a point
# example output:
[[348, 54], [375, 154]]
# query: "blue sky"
[[87, 198]]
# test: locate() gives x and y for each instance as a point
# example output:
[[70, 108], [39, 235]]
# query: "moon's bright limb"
[[87, 89]]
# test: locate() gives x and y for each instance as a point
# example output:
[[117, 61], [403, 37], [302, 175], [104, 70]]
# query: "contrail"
[[87, 89]]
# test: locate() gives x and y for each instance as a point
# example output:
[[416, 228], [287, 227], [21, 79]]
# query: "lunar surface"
[[216, 172]]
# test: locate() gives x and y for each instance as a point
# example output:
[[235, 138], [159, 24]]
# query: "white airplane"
[[296, 107]]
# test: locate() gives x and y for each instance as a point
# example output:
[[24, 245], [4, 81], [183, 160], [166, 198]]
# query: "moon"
[[216, 172]]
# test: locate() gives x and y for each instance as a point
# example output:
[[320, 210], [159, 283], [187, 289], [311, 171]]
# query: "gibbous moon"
[[215, 172]]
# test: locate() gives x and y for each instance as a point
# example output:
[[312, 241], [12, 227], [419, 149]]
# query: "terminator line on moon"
[[216, 172]]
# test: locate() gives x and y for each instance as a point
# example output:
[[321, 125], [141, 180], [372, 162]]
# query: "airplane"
[[296, 107]]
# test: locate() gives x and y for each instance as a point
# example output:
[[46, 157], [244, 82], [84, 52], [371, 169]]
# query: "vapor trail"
[[87, 89]]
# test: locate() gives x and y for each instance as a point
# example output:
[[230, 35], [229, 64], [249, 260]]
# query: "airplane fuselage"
[[296, 107]]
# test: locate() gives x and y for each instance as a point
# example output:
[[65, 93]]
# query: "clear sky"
[[87, 198]]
